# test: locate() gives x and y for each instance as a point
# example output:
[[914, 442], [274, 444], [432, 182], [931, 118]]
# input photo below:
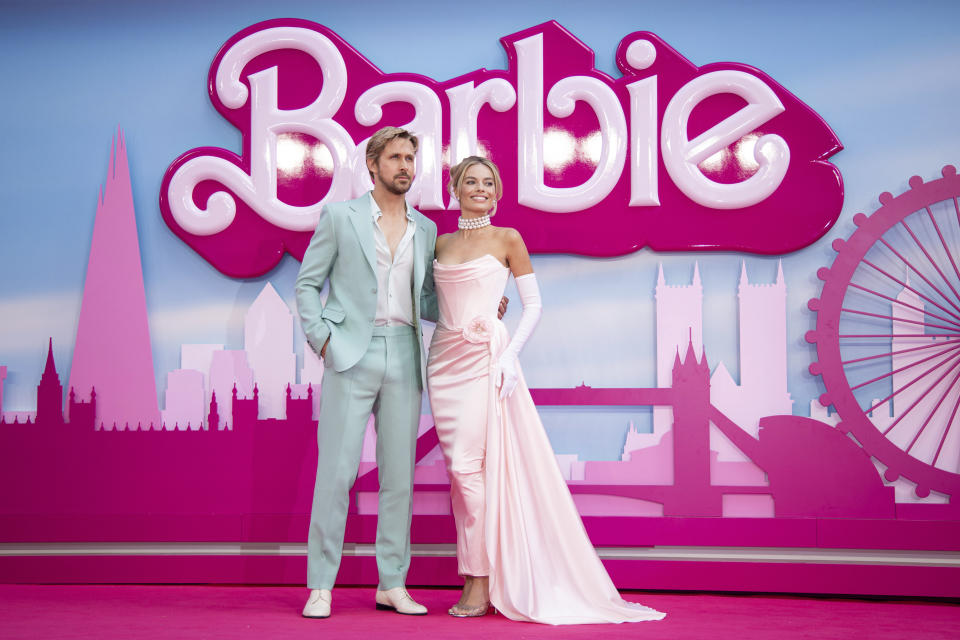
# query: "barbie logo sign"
[[669, 155]]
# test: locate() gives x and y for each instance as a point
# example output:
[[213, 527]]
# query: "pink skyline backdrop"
[[114, 305]]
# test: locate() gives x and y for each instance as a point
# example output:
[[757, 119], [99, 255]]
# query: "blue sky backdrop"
[[882, 74]]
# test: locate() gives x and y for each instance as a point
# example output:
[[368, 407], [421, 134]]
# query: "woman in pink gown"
[[521, 545]]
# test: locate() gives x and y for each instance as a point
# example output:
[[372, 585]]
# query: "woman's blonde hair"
[[459, 171]]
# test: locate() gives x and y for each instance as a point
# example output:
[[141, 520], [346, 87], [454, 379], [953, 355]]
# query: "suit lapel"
[[419, 245], [360, 217]]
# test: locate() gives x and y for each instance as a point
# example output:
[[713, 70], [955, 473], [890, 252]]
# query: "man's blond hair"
[[382, 138]]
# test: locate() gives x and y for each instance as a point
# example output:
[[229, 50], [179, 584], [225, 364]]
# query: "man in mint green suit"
[[376, 252]]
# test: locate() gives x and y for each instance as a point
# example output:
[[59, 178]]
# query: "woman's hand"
[[509, 366], [509, 373]]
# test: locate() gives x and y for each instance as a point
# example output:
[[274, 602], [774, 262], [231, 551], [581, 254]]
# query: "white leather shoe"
[[397, 599], [318, 606]]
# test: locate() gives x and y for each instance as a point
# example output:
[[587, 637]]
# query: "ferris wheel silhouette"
[[887, 333]]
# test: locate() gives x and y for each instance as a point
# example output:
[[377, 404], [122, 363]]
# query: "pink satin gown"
[[515, 518]]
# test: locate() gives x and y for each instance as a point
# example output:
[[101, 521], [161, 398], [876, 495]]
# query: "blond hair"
[[459, 171], [382, 138]]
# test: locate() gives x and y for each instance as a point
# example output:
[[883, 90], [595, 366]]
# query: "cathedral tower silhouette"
[[50, 393]]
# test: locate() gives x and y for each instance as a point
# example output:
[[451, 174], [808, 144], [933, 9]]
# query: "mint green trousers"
[[384, 382]]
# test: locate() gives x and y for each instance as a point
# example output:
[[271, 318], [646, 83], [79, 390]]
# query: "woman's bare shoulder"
[[509, 235]]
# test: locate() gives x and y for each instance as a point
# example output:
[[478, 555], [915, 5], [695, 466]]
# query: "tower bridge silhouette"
[[812, 469]]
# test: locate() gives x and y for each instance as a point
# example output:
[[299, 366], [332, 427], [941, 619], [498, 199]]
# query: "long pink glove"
[[509, 366]]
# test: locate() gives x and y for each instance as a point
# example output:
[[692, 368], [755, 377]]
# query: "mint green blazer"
[[343, 251]]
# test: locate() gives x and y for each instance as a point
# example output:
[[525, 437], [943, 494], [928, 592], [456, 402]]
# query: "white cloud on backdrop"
[[189, 324], [27, 321]]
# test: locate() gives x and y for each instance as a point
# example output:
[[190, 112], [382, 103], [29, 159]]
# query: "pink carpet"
[[185, 612]]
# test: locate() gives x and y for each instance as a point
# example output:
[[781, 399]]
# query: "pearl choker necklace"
[[473, 223]]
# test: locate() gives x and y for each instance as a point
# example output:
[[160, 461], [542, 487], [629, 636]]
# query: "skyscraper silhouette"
[[112, 349], [268, 341]]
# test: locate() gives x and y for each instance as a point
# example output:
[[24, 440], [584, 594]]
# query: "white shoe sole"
[[387, 607]]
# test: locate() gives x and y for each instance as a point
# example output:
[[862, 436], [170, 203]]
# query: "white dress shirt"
[[394, 275]]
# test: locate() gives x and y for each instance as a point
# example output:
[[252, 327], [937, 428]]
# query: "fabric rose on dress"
[[478, 330]]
